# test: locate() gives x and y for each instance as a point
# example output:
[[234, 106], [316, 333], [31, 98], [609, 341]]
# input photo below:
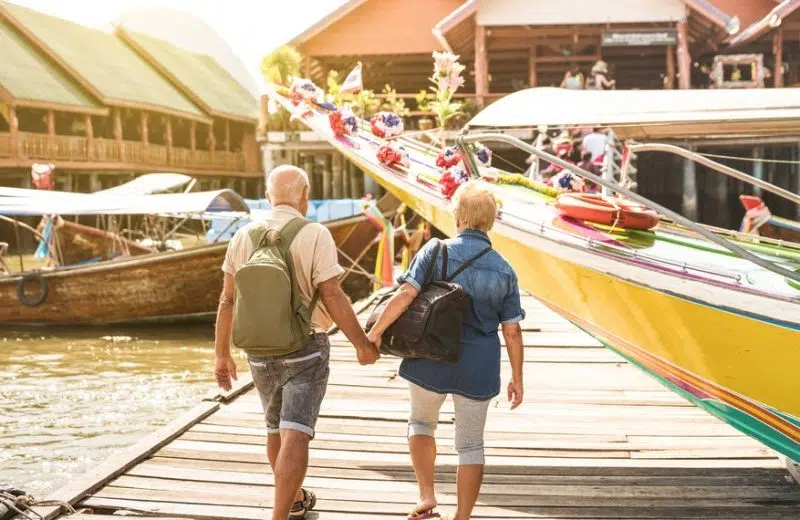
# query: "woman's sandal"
[[423, 514], [301, 507]]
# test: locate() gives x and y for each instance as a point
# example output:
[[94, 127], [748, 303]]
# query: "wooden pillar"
[[684, 58], [670, 83], [168, 138], [143, 117], [13, 124], [227, 136], [689, 196], [308, 166], [51, 123], [777, 51], [89, 137], [758, 168], [481, 65], [532, 54], [193, 135], [322, 161], [212, 139], [116, 114], [339, 180], [94, 182]]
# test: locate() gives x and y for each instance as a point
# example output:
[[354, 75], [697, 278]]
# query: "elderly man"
[[291, 386]]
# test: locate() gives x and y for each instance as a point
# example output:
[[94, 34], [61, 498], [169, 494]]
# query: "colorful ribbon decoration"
[[343, 122], [566, 181], [449, 157], [453, 178], [385, 258], [386, 124], [393, 156], [305, 90]]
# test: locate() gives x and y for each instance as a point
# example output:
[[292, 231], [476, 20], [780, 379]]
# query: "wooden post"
[[227, 136], [193, 135], [117, 126], [758, 168], [689, 196], [89, 138], [684, 58], [51, 123], [481, 65], [532, 54], [13, 124], [338, 180], [777, 51], [326, 176], [168, 138], [308, 166], [143, 117], [670, 83]]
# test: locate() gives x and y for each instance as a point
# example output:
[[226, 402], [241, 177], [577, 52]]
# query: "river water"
[[71, 398]]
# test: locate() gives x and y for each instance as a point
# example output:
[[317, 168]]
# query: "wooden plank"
[[126, 459]]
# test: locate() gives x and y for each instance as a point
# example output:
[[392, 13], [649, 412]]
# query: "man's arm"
[[338, 305], [512, 333], [224, 366]]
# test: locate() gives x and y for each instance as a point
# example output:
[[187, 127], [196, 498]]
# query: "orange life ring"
[[602, 209]]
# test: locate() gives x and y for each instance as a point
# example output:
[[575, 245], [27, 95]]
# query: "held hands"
[[224, 371], [515, 392], [369, 353]]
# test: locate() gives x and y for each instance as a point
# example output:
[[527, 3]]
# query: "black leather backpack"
[[431, 326]]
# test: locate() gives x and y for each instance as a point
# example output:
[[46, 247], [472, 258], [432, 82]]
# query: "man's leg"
[[290, 470], [423, 419], [470, 425]]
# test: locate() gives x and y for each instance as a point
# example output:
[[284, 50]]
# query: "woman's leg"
[[470, 424], [422, 424]]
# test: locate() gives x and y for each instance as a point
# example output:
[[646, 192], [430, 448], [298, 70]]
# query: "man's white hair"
[[285, 184]]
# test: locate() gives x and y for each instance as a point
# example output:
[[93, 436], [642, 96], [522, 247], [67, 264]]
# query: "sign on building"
[[640, 37]]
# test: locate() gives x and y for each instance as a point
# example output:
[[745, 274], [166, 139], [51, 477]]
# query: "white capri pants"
[[470, 421]]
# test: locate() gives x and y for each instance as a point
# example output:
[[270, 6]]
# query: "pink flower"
[[454, 81], [443, 62]]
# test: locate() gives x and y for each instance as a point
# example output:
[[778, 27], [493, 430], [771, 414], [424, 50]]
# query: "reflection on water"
[[71, 398]]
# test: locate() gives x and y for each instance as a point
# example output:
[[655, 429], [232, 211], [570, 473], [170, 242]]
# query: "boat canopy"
[[149, 183], [641, 114], [61, 203]]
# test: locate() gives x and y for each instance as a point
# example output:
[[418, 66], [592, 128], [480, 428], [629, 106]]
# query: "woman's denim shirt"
[[493, 286]]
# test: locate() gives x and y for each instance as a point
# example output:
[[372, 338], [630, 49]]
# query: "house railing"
[[43, 147], [5, 144]]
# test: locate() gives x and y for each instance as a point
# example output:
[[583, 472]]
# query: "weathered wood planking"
[[595, 439]]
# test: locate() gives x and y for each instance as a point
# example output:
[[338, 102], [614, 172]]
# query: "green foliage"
[[424, 99], [279, 66], [392, 103]]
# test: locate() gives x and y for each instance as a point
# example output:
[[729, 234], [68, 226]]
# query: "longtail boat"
[[158, 286], [713, 316]]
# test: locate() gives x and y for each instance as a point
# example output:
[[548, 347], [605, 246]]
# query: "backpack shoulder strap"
[[467, 264], [257, 235], [291, 229]]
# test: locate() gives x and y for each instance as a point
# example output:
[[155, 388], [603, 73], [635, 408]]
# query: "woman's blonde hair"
[[474, 206]]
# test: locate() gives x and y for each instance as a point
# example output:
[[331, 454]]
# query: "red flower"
[[296, 98], [449, 184], [337, 124], [373, 123], [445, 160], [391, 157]]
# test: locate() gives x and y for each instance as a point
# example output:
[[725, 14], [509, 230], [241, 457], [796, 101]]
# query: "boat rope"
[[23, 505], [749, 159]]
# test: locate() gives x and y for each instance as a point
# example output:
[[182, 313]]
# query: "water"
[[69, 399]]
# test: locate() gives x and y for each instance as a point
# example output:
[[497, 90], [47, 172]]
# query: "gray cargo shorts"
[[291, 387]]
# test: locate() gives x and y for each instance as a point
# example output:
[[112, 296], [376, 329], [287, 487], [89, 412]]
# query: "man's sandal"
[[301, 507]]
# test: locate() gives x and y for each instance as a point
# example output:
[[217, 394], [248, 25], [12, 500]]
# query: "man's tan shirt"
[[313, 251]]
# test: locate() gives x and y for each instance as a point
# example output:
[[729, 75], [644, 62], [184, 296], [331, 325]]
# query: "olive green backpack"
[[269, 318]]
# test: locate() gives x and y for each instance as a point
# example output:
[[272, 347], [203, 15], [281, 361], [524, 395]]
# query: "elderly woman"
[[475, 378]]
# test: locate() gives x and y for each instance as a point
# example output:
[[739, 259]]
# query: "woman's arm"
[[396, 306], [512, 333]]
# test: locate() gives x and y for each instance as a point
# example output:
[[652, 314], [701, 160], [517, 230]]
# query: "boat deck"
[[595, 438]]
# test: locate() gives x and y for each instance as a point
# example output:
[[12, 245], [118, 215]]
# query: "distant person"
[[291, 376], [573, 79], [474, 380], [599, 79], [591, 167], [595, 142]]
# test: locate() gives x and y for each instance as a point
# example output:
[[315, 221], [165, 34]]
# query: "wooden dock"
[[596, 438]]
